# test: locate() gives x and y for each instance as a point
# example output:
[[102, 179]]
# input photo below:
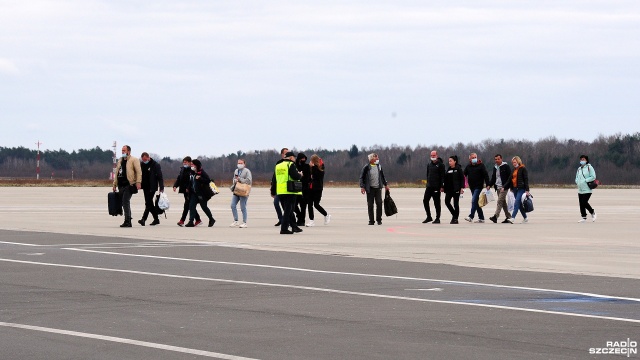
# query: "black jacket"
[[453, 180], [202, 187], [364, 177], [522, 179], [306, 171], [477, 175], [182, 182], [317, 178], [151, 176], [435, 174], [505, 176]]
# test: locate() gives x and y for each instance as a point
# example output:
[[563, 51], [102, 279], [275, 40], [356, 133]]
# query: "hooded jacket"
[[306, 171], [505, 175]]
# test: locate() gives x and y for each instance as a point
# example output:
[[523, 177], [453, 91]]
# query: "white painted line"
[[434, 289], [15, 243], [326, 290], [126, 341], [442, 281]]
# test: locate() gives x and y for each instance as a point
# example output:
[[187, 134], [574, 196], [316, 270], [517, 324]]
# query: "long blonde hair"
[[315, 159], [518, 160]]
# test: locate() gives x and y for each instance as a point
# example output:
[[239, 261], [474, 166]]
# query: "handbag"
[[240, 189], [527, 203], [390, 207], [294, 186], [591, 184]]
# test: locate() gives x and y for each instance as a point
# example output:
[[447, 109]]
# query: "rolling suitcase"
[[115, 204]]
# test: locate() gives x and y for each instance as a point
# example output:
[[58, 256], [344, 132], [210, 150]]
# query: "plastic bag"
[[511, 200], [214, 188], [482, 199], [163, 201], [490, 196]]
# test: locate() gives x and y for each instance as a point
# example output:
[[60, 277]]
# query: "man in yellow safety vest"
[[286, 177]]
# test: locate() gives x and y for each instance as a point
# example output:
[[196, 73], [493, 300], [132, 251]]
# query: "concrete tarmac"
[[552, 241], [76, 286]]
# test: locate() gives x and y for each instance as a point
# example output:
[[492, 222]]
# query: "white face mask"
[[434, 158], [240, 166], [193, 168], [377, 162]]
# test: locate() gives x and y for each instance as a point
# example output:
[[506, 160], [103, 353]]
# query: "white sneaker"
[[234, 224], [582, 220], [311, 223], [468, 219], [525, 220], [327, 219], [510, 220], [243, 225], [594, 216], [479, 221]]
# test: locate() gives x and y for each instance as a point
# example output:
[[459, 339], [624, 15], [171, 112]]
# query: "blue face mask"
[[474, 161], [146, 162], [124, 156], [186, 166], [582, 162]]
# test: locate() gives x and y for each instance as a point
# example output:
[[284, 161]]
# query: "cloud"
[[8, 67]]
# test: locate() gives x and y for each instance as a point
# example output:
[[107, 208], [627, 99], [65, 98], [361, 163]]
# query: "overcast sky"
[[213, 77]]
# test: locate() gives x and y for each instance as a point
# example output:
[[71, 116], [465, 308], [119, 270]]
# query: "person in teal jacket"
[[584, 175]]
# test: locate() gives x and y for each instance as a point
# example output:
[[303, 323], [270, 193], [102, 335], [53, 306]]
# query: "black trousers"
[[455, 209], [584, 204], [149, 205], [194, 200], [301, 207], [288, 203], [432, 193], [374, 194], [187, 205], [314, 201]]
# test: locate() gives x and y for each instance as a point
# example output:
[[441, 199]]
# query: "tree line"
[[616, 159]]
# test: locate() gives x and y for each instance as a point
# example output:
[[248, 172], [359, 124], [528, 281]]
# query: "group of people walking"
[[452, 182], [297, 187]]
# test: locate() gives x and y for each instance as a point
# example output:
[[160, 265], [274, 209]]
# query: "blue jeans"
[[518, 203], [475, 195], [243, 207]]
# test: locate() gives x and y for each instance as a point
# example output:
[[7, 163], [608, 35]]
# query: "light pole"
[[38, 161]]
